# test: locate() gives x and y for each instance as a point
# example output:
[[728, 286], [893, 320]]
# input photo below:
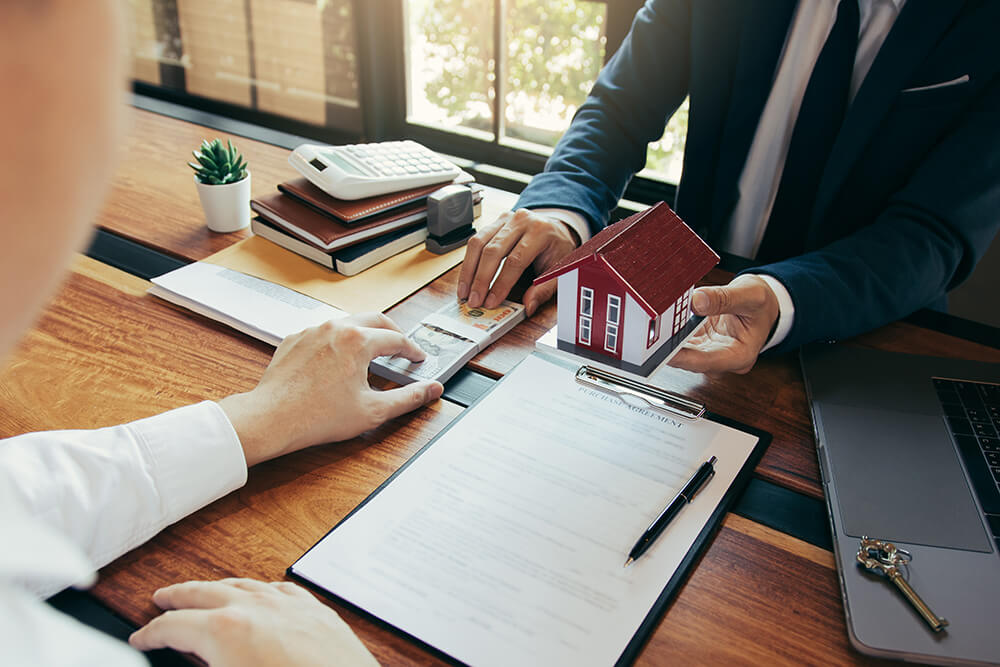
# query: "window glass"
[[553, 53], [665, 157], [299, 60], [450, 63], [585, 330], [586, 301], [654, 331], [611, 338], [287, 57], [614, 309]]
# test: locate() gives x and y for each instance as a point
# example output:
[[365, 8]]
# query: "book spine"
[[290, 243]]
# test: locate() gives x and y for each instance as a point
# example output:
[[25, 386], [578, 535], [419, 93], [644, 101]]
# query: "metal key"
[[887, 559]]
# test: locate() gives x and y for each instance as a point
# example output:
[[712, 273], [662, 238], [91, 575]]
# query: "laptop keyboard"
[[973, 413]]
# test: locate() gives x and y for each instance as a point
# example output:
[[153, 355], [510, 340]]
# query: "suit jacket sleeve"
[[634, 96], [925, 242]]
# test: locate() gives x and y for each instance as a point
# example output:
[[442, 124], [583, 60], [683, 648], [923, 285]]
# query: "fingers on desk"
[[183, 630], [203, 594], [391, 403]]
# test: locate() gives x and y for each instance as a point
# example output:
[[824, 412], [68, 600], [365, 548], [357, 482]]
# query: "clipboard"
[[667, 589]]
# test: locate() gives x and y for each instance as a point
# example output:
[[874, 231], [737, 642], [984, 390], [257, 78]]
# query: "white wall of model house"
[[566, 300], [635, 332]]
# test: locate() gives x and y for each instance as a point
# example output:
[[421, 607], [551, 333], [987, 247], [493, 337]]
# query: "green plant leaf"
[[219, 163]]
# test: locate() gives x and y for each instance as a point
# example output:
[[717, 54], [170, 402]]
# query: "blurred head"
[[62, 70]]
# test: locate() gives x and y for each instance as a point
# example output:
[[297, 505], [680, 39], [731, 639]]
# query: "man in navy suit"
[[851, 147]]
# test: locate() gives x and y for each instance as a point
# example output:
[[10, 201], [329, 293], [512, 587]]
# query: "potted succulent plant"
[[223, 185]]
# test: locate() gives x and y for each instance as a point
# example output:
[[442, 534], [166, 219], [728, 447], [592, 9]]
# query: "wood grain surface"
[[154, 202], [103, 352], [153, 199]]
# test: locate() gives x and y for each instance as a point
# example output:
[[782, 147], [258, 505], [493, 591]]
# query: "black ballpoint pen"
[[686, 495]]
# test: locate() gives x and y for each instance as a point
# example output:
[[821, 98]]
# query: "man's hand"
[[247, 622], [525, 239], [739, 320], [316, 389]]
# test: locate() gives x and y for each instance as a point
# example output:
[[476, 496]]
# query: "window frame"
[[611, 338], [653, 333], [584, 320], [681, 311], [586, 297], [618, 310], [382, 106]]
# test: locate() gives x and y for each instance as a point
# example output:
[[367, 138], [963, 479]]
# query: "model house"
[[626, 293]]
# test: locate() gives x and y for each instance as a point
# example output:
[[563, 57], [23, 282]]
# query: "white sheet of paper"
[[256, 307], [504, 542]]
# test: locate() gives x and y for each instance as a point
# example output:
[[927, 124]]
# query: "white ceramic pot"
[[227, 207]]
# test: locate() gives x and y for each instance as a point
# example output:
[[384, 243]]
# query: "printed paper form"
[[504, 542], [256, 307]]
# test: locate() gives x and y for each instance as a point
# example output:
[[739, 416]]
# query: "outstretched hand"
[[739, 319], [247, 622], [520, 240], [315, 390]]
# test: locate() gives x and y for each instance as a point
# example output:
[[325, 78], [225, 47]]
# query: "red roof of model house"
[[653, 254]]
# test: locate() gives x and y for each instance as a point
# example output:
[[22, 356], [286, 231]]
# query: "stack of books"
[[346, 236]]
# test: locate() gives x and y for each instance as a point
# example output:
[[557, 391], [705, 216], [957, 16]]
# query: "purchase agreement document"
[[503, 542]]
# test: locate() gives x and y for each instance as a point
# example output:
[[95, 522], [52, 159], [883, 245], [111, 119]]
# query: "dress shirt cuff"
[[571, 219], [786, 310], [196, 457]]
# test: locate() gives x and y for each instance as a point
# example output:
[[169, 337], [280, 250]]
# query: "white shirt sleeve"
[[571, 219], [786, 310], [71, 501], [111, 489]]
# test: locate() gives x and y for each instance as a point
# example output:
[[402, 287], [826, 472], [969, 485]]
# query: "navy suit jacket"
[[910, 193]]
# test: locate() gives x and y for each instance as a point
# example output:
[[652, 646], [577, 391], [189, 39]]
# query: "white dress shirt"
[[758, 184], [73, 501]]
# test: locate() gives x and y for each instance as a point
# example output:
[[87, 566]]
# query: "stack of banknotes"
[[450, 336]]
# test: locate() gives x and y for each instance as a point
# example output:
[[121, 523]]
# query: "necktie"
[[820, 117]]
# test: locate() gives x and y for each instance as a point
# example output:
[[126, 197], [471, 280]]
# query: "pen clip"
[[655, 398]]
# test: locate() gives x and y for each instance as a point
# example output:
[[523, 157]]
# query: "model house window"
[[584, 330], [681, 311], [611, 338], [614, 309], [654, 331], [586, 301]]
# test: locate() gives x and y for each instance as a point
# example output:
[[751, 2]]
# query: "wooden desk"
[[104, 353], [154, 202]]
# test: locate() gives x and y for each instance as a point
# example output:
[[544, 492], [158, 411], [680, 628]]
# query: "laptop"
[[909, 452]]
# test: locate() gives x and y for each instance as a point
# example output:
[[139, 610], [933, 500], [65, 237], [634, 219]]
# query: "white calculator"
[[356, 171]]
